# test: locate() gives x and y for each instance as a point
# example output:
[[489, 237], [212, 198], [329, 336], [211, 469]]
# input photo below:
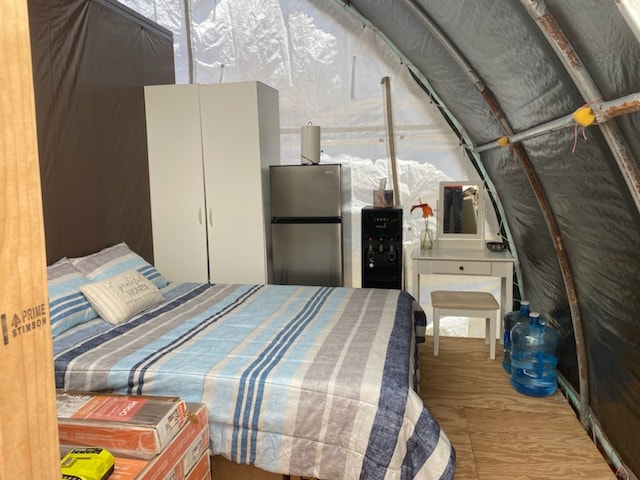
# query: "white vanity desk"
[[466, 261]]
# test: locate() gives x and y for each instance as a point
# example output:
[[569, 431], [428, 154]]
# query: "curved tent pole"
[[584, 82], [589, 91], [552, 225]]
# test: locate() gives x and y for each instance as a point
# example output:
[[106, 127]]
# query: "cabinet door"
[[236, 165], [175, 174]]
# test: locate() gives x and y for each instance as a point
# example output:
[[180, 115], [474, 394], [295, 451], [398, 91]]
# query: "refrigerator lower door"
[[307, 254]]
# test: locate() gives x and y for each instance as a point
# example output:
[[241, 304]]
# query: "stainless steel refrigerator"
[[307, 224]]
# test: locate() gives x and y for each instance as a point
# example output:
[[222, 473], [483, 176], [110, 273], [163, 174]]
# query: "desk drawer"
[[462, 267]]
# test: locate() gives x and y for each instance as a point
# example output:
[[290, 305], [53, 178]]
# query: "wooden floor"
[[497, 432]]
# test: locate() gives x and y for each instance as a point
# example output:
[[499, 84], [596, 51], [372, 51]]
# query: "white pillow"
[[114, 260], [119, 297]]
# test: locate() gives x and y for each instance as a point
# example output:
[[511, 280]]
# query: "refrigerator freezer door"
[[307, 254], [306, 191]]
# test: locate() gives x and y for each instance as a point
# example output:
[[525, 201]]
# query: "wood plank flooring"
[[497, 432]]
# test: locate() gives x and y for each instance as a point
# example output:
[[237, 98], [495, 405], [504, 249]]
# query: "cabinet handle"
[[211, 217], [200, 215]]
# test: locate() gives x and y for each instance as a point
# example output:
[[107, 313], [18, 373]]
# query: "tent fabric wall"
[[91, 60]]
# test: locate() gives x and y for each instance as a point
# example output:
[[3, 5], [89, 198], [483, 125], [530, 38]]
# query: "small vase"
[[426, 242]]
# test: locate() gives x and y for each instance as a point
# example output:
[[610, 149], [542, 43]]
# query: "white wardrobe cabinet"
[[210, 147]]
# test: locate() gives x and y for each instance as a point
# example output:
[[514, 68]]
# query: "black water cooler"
[[382, 247]]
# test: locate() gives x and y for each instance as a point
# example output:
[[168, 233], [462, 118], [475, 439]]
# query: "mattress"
[[310, 381]]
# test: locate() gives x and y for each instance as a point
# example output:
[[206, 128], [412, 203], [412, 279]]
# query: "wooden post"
[[28, 422]]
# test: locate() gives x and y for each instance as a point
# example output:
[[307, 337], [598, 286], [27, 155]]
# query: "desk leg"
[[415, 285]]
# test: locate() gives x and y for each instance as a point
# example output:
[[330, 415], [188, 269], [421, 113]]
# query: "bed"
[[310, 381]]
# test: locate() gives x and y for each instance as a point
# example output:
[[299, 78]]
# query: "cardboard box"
[[202, 469], [180, 456], [128, 468], [176, 474], [196, 431], [195, 451], [126, 425], [171, 460]]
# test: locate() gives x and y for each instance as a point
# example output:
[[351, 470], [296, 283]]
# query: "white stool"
[[466, 304]]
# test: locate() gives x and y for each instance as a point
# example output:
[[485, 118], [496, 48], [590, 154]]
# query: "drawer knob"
[[461, 267]]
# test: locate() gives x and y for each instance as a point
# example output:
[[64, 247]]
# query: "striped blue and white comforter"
[[310, 381]]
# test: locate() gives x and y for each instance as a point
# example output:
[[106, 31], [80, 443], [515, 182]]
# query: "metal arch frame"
[[585, 84], [589, 91]]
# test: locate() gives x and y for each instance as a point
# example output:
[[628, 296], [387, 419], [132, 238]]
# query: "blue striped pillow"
[[68, 307], [115, 260]]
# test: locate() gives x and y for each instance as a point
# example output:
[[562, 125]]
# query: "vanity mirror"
[[460, 214]]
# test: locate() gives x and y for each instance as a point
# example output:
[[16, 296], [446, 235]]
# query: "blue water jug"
[[533, 357], [510, 320]]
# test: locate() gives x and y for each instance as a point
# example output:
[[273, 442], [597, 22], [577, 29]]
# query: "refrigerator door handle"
[[211, 217]]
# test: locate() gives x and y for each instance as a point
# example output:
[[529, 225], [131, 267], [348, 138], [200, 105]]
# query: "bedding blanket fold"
[[310, 381]]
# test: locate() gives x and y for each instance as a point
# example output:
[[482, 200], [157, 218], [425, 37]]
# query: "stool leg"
[[436, 330], [487, 328], [492, 335]]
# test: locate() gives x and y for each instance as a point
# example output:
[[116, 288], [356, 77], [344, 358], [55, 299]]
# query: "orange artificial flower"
[[426, 209]]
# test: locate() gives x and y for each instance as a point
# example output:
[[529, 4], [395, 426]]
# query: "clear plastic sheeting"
[[328, 69]]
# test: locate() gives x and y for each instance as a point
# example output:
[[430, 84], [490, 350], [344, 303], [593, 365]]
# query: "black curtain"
[[91, 59]]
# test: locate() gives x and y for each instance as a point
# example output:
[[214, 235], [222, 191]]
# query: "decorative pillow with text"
[[121, 296]]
